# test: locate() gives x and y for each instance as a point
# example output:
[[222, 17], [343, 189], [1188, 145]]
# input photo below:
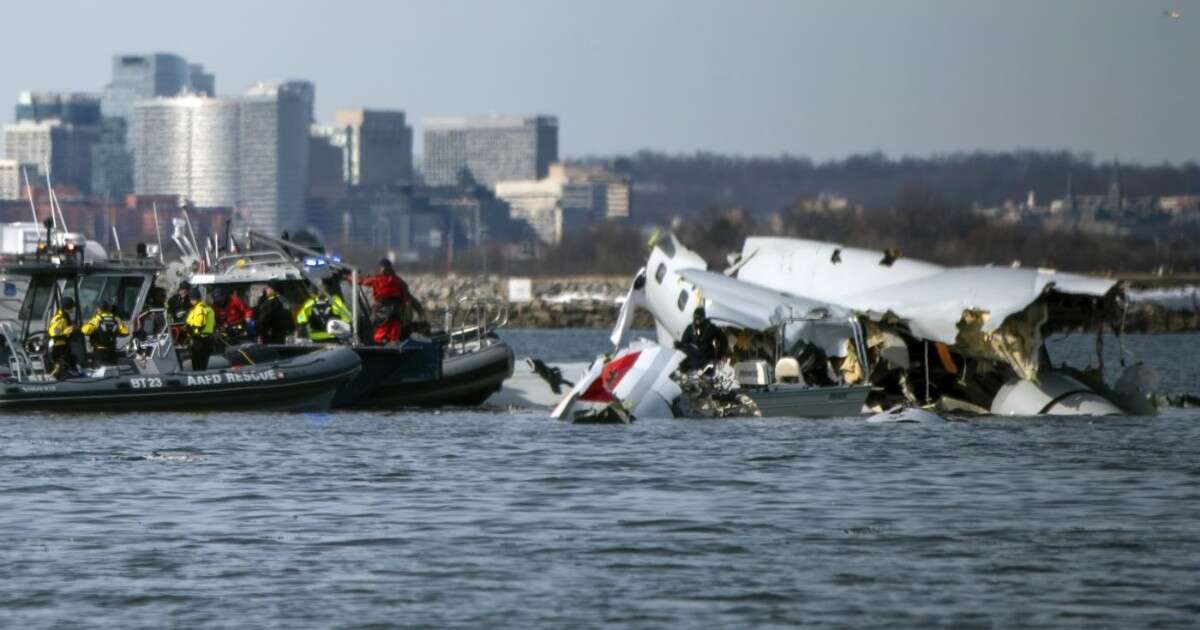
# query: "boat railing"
[[22, 365], [472, 319], [157, 342]]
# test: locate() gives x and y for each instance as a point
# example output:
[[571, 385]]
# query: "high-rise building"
[[187, 146], [112, 161], [608, 192], [10, 179], [326, 160], [273, 154], [378, 147], [76, 108], [250, 153], [489, 150], [200, 82], [137, 77], [66, 148], [569, 199], [141, 77]]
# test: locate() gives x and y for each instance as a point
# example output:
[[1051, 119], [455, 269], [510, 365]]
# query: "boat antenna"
[[50, 195], [157, 232], [181, 240], [29, 193], [60, 220], [192, 233], [116, 241]]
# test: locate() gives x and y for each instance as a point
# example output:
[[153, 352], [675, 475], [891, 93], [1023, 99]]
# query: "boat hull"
[[784, 401], [389, 369], [466, 379], [305, 383]]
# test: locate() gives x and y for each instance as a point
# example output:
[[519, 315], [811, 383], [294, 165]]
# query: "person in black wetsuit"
[[703, 342], [273, 320], [179, 305]]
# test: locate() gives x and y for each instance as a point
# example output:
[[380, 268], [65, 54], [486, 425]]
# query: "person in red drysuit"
[[392, 301], [231, 313]]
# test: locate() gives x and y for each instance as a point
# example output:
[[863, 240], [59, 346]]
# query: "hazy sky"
[[817, 78]]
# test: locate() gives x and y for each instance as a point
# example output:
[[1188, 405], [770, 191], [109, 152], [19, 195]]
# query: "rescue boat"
[[152, 375]]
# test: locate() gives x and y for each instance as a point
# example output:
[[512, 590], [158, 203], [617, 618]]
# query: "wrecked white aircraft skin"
[[967, 339], [973, 335], [633, 383], [762, 323]]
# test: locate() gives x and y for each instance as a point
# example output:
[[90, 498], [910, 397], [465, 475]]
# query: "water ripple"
[[473, 519]]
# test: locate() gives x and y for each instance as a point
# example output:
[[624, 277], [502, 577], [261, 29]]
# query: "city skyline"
[[815, 79]]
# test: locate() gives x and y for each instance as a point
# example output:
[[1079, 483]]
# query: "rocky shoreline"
[[594, 301], [556, 302]]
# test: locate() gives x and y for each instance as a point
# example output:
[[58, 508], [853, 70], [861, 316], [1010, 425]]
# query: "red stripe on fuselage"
[[601, 389]]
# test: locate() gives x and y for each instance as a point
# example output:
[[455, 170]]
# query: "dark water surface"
[[509, 519]]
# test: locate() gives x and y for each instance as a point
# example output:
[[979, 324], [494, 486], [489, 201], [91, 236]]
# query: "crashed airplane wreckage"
[[818, 329]]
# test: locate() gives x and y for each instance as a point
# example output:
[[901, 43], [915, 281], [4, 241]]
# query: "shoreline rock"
[[594, 302]]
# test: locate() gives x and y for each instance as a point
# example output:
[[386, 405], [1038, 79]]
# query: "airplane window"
[[683, 295], [660, 272]]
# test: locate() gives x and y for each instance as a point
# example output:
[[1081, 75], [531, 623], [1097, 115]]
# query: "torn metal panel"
[[935, 303], [732, 302]]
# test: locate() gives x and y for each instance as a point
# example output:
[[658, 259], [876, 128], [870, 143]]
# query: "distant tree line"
[[666, 186], [921, 206], [919, 222]]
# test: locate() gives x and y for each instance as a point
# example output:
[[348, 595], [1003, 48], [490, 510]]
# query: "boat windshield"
[[120, 291], [37, 302], [123, 291]]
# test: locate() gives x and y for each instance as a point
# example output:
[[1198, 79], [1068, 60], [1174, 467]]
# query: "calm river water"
[[509, 519]]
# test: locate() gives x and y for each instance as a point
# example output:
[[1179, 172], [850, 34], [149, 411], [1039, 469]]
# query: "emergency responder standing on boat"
[[201, 323], [318, 310], [62, 327], [271, 318], [703, 342], [179, 305], [232, 313], [102, 330], [393, 303]]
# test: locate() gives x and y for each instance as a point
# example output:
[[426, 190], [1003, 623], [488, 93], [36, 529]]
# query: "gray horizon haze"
[[754, 78]]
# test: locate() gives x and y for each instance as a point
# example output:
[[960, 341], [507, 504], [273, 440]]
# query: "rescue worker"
[[179, 305], [393, 303], [102, 330], [318, 310], [271, 318], [232, 313], [703, 342], [201, 324], [62, 327]]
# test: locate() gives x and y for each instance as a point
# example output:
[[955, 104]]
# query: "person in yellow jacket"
[[102, 330], [318, 310], [62, 327], [201, 322]]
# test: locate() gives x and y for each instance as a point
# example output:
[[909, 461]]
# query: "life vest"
[[103, 329], [202, 321], [60, 328], [319, 314]]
